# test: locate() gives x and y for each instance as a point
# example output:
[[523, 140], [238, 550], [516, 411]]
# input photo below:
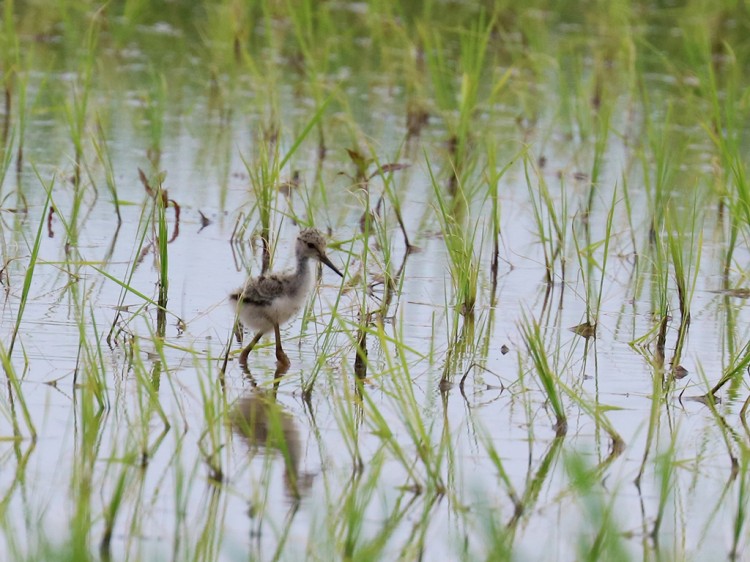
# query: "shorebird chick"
[[268, 301]]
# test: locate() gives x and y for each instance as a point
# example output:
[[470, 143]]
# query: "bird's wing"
[[261, 291]]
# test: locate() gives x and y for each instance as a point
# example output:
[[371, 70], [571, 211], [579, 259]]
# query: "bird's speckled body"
[[267, 301]]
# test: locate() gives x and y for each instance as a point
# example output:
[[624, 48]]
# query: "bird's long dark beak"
[[326, 261]]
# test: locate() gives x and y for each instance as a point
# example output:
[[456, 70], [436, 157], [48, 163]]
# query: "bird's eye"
[[310, 245]]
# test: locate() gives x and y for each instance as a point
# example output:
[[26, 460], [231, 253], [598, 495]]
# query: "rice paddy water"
[[540, 346]]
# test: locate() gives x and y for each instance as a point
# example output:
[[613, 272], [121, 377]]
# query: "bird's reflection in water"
[[267, 427]]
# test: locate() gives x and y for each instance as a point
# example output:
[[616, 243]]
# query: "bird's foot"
[[281, 359], [281, 369]]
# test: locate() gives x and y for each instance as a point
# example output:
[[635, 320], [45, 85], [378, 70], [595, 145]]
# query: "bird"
[[266, 302]]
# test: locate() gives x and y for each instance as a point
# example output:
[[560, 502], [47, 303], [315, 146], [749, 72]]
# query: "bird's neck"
[[302, 268]]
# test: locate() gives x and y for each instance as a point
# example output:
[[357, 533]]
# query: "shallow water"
[[345, 466]]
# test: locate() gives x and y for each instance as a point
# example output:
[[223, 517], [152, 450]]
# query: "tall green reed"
[[31, 268], [460, 239], [593, 258], [534, 341], [685, 243], [162, 253], [152, 225], [493, 176], [458, 103], [550, 218], [77, 108], [104, 156], [265, 172], [155, 107], [9, 58]]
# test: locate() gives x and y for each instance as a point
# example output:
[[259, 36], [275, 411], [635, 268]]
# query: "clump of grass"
[[685, 241], [265, 173], [458, 104], [152, 221], [5, 162], [313, 29], [13, 84], [532, 335], [459, 240], [428, 474], [739, 363], [104, 156], [155, 107], [30, 269], [549, 367], [77, 109], [363, 175], [227, 29], [494, 175], [551, 221], [660, 161], [588, 265], [22, 111], [377, 261], [329, 339], [90, 361]]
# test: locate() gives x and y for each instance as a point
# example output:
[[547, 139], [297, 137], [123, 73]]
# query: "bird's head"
[[312, 244]]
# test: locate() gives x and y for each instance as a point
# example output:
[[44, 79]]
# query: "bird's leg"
[[280, 355], [249, 348]]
